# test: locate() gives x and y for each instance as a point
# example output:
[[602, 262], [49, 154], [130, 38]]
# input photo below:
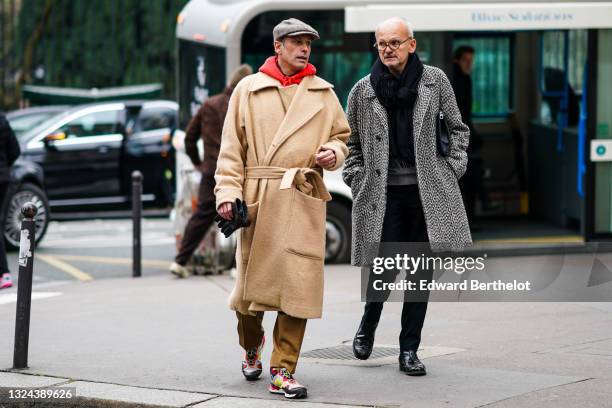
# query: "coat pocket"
[[451, 169], [246, 233], [306, 228], [446, 168]]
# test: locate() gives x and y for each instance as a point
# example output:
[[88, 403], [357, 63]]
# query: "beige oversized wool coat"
[[267, 159]]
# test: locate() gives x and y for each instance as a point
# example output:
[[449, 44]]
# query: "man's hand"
[[225, 211], [326, 158], [200, 167], [239, 213]]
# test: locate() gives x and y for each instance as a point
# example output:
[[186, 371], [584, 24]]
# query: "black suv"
[[87, 155]]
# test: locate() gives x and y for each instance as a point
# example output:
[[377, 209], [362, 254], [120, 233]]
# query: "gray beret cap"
[[292, 27]]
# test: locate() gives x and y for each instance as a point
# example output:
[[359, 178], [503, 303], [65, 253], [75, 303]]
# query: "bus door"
[[557, 170]]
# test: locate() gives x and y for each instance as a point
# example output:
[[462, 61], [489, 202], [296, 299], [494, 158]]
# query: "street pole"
[[136, 219], [24, 285]]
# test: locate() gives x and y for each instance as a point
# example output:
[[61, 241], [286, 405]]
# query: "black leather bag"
[[442, 142]]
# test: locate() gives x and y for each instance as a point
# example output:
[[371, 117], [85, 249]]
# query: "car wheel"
[[26, 192], [338, 233]]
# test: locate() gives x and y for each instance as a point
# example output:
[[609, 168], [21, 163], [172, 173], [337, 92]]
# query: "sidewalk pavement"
[[158, 341]]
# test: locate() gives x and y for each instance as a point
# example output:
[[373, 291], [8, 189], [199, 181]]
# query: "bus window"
[[491, 75], [563, 59], [201, 74], [340, 58], [553, 43]]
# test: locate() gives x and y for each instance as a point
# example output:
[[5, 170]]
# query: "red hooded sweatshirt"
[[270, 67]]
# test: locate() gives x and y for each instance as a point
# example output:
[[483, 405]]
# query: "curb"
[[93, 394]]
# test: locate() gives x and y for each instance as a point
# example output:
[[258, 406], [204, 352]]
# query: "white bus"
[[542, 94]]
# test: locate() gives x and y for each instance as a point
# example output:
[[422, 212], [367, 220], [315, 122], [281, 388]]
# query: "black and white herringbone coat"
[[366, 167]]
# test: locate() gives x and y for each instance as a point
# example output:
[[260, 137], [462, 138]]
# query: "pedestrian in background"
[[207, 124], [472, 183], [9, 152]]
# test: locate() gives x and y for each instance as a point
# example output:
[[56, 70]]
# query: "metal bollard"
[[136, 216], [24, 285]]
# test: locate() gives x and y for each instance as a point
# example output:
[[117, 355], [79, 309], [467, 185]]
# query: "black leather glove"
[[239, 218]]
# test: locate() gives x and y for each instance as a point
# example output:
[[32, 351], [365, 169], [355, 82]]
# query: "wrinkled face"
[[466, 62], [294, 52], [394, 34]]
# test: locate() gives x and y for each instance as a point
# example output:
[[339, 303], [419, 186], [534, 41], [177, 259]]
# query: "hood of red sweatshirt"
[[270, 67]]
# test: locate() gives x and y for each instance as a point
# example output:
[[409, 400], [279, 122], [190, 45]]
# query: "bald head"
[[395, 43], [394, 24]]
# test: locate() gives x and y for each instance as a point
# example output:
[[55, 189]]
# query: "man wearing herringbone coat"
[[403, 189]]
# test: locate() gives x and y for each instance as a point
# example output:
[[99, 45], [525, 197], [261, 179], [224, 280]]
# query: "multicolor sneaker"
[[6, 281], [282, 382], [251, 365], [179, 270]]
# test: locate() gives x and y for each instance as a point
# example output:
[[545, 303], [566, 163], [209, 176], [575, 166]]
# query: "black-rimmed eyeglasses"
[[393, 44]]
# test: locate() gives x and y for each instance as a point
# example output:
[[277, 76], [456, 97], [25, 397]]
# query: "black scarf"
[[398, 96]]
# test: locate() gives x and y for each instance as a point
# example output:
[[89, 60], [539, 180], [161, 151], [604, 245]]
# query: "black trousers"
[[3, 262], [404, 221], [200, 221]]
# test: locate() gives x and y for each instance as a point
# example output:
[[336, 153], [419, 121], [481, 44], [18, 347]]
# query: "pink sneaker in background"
[[6, 281]]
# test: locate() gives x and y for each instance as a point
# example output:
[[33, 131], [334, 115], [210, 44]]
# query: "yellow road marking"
[[64, 267], [153, 263]]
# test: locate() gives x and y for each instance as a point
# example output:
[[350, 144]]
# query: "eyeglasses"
[[393, 44]]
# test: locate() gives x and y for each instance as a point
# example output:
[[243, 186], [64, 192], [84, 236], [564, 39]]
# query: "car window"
[[24, 123], [155, 118], [93, 124]]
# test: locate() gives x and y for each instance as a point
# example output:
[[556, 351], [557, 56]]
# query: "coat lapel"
[[305, 104], [379, 110], [420, 108]]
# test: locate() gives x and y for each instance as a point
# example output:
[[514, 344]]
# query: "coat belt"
[[299, 175]]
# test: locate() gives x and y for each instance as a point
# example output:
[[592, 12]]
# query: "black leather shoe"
[[410, 364], [364, 341]]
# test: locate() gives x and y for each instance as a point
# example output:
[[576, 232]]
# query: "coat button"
[[373, 206], [378, 172], [378, 138]]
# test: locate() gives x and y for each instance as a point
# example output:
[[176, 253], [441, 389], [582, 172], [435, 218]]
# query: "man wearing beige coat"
[[284, 125]]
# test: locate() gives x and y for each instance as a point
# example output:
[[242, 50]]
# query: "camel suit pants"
[[288, 335]]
